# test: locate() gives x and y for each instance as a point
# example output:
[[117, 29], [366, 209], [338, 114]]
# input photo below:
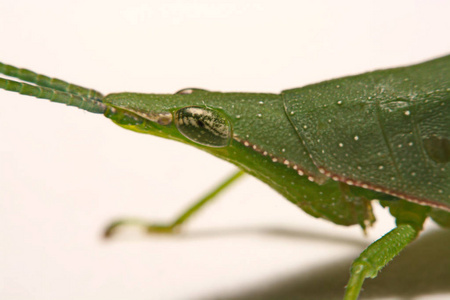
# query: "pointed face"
[[185, 117], [212, 120]]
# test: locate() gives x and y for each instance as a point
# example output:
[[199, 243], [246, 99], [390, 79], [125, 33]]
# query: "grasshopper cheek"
[[204, 126]]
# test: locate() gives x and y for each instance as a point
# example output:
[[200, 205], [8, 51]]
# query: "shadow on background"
[[274, 232], [423, 268], [130, 233]]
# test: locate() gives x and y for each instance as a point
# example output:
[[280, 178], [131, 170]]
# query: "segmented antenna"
[[51, 89], [52, 83]]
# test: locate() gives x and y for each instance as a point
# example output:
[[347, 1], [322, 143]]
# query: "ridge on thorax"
[[276, 159]]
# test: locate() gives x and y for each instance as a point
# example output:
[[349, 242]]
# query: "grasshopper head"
[[183, 116]]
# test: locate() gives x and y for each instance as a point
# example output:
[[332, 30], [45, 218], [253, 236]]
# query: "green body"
[[383, 135], [387, 130], [330, 147]]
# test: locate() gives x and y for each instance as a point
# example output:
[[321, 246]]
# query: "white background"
[[65, 173]]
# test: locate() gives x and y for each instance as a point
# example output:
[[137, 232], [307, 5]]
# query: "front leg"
[[175, 225]]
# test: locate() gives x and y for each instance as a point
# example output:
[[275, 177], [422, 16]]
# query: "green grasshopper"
[[330, 147]]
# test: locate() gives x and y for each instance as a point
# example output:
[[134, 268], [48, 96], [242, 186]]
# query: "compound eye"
[[204, 126]]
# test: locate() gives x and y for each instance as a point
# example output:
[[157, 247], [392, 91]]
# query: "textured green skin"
[[382, 129], [373, 109]]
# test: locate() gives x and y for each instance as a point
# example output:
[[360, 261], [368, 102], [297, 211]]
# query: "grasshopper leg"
[[175, 225], [376, 256], [409, 218]]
